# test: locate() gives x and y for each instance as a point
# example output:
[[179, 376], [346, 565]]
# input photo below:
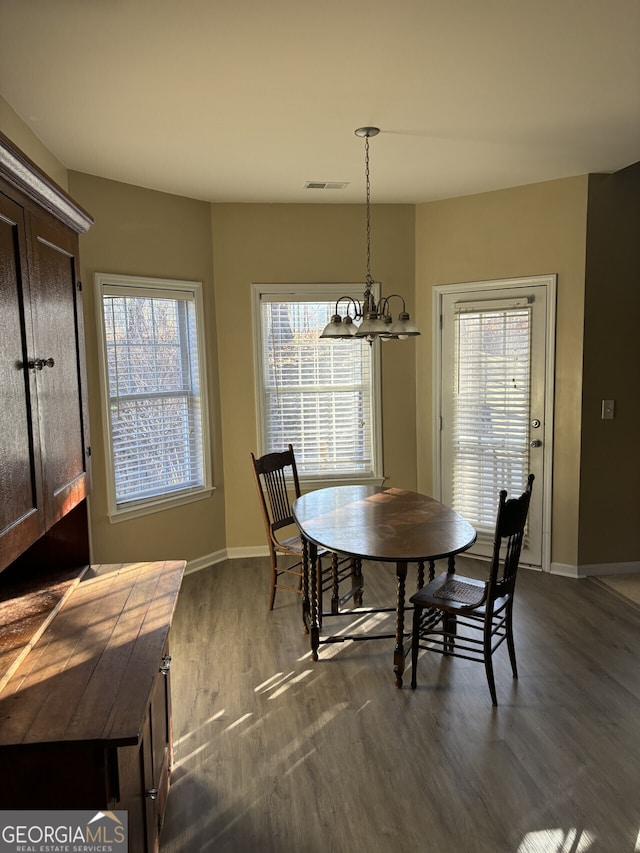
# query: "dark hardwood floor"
[[278, 754]]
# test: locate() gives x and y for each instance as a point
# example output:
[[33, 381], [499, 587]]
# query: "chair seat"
[[451, 592], [456, 593], [460, 591], [294, 545]]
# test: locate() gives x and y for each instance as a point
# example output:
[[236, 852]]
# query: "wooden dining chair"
[[278, 485], [467, 618]]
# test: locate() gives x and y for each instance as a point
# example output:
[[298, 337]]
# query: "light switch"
[[608, 410]]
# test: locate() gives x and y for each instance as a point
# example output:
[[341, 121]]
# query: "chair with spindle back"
[[468, 618], [277, 482]]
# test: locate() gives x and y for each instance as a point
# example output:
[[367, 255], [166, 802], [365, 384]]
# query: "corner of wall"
[[21, 134]]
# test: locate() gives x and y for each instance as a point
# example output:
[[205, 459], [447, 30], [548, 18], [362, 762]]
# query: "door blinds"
[[491, 393]]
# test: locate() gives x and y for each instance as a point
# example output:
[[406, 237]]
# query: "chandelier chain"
[[368, 205]]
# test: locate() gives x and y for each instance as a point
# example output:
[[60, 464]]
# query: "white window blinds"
[[490, 407], [151, 353], [316, 394]]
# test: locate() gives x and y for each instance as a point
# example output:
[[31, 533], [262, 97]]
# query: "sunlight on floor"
[[328, 651], [273, 682], [557, 841], [187, 758], [238, 722], [276, 685], [364, 623], [309, 733], [292, 681], [192, 732], [299, 762]]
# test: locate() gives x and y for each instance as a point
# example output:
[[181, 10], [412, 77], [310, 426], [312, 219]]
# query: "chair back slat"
[[277, 478], [509, 534], [278, 496]]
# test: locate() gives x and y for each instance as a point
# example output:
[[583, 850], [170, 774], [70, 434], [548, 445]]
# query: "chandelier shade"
[[376, 318]]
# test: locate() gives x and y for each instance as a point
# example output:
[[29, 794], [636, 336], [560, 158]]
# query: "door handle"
[[39, 363]]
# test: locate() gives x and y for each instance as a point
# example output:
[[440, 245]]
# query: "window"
[[321, 396], [154, 392]]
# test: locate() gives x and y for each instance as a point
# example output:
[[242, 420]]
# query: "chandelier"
[[377, 320]]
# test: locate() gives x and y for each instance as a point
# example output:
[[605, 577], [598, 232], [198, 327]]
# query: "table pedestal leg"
[[335, 586], [398, 655], [306, 605], [356, 581], [314, 629], [432, 572]]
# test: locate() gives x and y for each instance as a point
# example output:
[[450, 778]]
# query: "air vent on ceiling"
[[326, 185]]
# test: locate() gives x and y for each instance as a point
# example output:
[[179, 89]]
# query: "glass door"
[[494, 422]]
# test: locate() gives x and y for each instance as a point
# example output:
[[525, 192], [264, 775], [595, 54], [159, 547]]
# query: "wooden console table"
[[85, 710]]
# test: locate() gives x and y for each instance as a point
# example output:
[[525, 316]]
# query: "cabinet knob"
[[39, 363], [152, 793], [166, 664]]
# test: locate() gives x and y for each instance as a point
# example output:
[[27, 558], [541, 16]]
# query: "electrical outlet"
[[608, 410]]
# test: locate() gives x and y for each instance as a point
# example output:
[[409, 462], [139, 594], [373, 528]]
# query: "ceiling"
[[247, 100]]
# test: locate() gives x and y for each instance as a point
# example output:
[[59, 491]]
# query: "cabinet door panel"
[[161, 745], [133, 768], [21, 516], [57, 323]]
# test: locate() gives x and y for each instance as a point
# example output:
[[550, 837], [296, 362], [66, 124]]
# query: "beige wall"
[[304, 243], [533, 230], [12, 126], [146, 233]]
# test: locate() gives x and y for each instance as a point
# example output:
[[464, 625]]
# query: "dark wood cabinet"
[[44, 449]]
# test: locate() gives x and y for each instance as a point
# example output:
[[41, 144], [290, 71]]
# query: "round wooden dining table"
[[381, 525]]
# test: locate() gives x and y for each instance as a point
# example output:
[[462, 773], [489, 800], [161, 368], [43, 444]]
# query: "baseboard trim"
[[563, 569], [251, 551], [600, 569], [226, 554], [205, 562], [594, 569]]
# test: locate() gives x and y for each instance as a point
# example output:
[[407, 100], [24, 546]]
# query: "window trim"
[[303, 292], [157, 503]]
